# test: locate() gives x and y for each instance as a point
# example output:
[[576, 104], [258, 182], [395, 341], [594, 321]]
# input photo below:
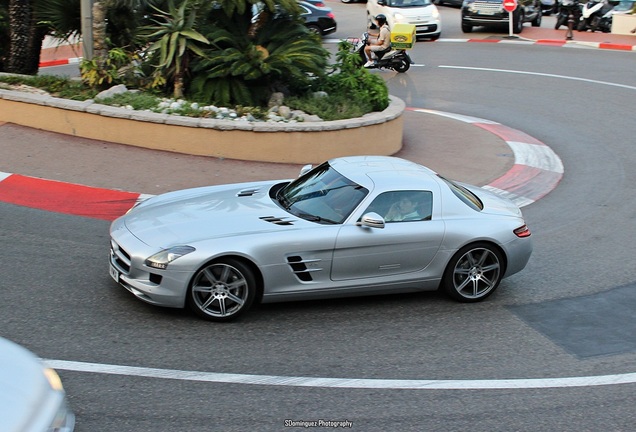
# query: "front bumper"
[[166, 288]]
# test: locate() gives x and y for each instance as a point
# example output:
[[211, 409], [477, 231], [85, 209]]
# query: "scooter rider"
[[383, 43]]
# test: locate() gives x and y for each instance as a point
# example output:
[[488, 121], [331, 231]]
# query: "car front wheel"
[[222, 290], [473, 273], [466, 28]]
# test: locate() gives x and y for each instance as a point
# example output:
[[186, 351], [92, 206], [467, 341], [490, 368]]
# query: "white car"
[[31, 395], [421, 13]]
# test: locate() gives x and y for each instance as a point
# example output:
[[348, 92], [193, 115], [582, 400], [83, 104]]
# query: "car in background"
[[421, 13], [319, 18], [624, 6], [31, 395], [457, 3], [491, 13], [351, 226]]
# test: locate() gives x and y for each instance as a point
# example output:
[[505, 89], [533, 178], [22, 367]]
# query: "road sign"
[[510, 5]]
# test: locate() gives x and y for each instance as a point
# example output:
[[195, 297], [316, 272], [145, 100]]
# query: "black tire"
[[560, 21], [537, 21], [473, 273], [315, 29], [402, 66], [466, 28], [222, 290], [582, 26], [594, 24]]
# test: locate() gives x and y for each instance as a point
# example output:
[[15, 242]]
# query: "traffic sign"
[[510, 5]]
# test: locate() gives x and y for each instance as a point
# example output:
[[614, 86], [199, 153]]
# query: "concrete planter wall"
[[378, 133], [623, 24]]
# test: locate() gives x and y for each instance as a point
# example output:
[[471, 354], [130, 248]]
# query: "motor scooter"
[[394, 59], [596, 15]]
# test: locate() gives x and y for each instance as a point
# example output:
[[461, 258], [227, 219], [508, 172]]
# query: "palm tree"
[[253, 55], [25, 37], [175, 38]]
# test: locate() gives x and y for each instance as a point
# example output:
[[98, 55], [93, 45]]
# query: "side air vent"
[[299, 267], [276, 220], [247, 192]]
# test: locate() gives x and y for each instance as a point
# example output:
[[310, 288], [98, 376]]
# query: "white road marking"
[[290, 381], [541, 74]]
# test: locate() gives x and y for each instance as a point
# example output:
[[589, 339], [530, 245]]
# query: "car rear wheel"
[[473, 273], [314, 29], [222, 290]]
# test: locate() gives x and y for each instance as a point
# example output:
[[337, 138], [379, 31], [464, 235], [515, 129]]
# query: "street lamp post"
[[87, 28]]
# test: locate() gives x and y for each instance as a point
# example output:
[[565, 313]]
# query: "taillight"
[[522, 231], [320, 5], [331, 15]]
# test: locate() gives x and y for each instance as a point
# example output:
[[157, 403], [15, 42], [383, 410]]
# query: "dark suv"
[[492, 13]]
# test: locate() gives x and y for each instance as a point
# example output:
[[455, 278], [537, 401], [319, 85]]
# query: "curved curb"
[[293, 142], [537, 169], [536, 172]]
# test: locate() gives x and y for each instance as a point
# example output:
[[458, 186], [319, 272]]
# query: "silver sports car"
[[350, 226]]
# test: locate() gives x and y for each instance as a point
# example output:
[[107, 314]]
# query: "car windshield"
[[322, 195], [408, 3]]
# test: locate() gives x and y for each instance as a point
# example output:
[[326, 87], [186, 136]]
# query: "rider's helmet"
[[380, 19]]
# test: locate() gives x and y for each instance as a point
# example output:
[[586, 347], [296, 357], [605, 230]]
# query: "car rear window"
[[464, 195]]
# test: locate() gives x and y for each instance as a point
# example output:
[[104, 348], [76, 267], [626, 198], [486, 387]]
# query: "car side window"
[[403, 206]]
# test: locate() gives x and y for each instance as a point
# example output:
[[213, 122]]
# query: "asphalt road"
[[569, 314]]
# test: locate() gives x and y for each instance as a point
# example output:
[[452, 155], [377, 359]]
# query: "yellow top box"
[[403, 36]]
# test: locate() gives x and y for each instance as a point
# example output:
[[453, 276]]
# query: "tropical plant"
[[25, 37], [355, 82], [173, 36], [252, 55], [118, 67]]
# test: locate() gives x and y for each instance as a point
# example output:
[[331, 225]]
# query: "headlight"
[[398, 17], [161, 259]]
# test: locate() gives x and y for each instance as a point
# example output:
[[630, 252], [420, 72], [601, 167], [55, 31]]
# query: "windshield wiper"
[[314, 218]]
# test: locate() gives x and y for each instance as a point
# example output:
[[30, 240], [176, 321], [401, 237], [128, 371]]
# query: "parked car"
[[457, 3], [31, 395], [351, 226], [319, 18], [422, 13], [491, 13]]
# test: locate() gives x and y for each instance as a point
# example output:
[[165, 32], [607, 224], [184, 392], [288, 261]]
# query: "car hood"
[[186, 216]]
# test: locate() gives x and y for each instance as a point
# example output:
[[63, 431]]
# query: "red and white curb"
[[68, 198], [60, 62], [536, 172], [537, 169]]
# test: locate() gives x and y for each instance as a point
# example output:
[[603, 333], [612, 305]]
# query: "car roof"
[[385, 172]]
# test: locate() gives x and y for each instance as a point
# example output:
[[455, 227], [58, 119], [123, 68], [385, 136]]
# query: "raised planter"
[[623, 24], [378, 133]]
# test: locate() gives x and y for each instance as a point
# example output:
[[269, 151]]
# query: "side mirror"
[[382, 2], [372, 220], [305, 169]]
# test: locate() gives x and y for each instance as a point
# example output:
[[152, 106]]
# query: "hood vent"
[[276, 220], [247, 192]]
